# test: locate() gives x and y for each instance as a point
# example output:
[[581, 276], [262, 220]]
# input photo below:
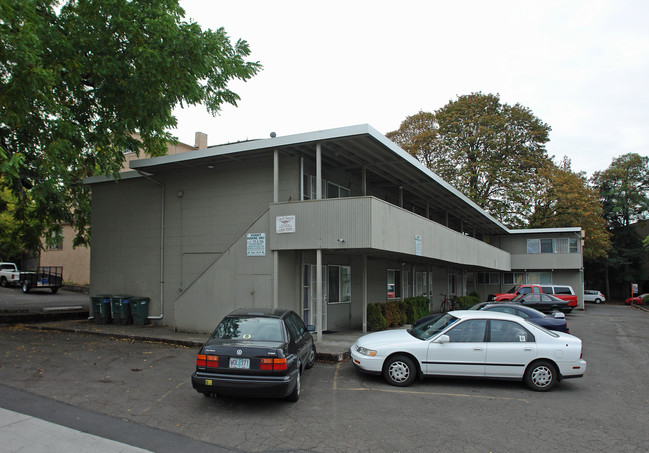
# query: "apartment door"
[[310, 295]]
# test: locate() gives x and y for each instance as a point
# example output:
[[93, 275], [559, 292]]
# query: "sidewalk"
[[333, 348], [20, 432]]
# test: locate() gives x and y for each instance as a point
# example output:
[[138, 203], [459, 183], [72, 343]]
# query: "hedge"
[[396, 313]]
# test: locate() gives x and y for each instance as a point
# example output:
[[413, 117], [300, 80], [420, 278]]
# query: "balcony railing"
[[367, 223]]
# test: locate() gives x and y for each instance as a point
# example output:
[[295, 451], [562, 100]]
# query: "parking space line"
[[164, 396], [416, 392]]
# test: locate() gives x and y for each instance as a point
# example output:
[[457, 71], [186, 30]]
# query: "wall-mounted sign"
[[256, 244], [285, 224], [417, 245]]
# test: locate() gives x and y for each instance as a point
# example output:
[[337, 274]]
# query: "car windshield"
[[249, 328], [433, 326]]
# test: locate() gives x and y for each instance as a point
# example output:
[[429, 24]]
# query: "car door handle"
[[527, 349], [477, 348]]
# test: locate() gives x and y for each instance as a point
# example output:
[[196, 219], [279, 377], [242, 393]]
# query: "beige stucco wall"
[[75, 261]]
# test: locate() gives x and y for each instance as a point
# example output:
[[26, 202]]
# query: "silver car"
[[591, 295]]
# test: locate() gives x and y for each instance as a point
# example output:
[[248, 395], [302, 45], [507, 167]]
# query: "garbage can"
[[140, 310], [101, 308], [121, 309]]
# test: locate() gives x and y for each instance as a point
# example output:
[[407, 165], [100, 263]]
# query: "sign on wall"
[[256, 244], [417, 245], [285, 224]]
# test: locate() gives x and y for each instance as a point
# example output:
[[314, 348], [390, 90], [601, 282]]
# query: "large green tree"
[[78, 79], [624, 192], [491, 151]]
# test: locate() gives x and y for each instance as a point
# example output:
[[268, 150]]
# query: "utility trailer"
[[43, 277]]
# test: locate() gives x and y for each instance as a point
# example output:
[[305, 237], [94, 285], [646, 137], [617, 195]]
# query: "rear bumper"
[[245, 385]]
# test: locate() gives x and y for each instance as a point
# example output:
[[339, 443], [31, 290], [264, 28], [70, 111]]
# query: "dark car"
[[555, 321], [255, 352], [543, 302]]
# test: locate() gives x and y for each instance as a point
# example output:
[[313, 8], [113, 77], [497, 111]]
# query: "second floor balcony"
[[373, 226]]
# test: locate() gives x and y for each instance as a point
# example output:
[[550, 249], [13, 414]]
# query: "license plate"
[[239, 363]]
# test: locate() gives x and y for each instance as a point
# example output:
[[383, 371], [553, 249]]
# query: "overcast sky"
[[580, 66]]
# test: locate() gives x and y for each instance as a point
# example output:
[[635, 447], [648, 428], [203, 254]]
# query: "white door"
[[463, 355], [511, 347], [310, 295]]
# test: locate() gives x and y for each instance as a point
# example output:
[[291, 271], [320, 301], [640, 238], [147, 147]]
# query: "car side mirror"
[[443, 339], [310, 328]]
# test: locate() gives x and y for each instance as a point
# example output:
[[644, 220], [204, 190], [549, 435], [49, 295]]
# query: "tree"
[[624, 189], [568, 201], [624, 192], [77, 81], [490, 151]]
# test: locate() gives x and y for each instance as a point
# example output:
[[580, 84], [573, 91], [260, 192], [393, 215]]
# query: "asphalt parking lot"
[[342, 410]]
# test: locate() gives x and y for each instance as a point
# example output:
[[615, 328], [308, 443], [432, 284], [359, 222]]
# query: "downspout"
[[162, 244]]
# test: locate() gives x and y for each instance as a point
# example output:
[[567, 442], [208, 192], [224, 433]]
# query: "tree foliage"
[[78, 80], [568, 200], [624, 189], [492, 152], [624, 193]]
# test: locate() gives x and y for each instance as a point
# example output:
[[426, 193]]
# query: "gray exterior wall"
[[206, 212]]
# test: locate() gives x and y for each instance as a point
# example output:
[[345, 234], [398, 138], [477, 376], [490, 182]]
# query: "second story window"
[[329, 189], [552, 245]]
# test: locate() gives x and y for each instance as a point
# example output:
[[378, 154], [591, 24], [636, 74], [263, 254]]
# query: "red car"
[[636, 299]]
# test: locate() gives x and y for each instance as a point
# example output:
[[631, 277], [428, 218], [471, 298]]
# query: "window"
[[329, 189], [573, 245], [513, 278], [533, 246], [546, 246], [488, 278], [406, 284], [55, 242], [508, 332], [538, 278], [340, 284], [549, 245], [421, 283], [471, 331], [394, 284]]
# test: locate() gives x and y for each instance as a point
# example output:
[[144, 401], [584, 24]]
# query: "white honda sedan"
[[472, 344]]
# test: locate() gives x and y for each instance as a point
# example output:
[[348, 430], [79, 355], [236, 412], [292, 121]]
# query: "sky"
[[580, 66]]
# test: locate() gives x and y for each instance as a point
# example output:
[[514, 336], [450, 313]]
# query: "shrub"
[[375, 318], [396, 312], [464, 302]]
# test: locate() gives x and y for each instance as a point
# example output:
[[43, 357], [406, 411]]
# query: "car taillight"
[[207, 361], [272, 364]]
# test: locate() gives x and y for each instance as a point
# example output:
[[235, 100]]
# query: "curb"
[[172, 341], [25, 316], [322, 357]]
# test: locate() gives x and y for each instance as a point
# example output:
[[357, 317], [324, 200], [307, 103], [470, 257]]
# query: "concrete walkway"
[[20, 432]]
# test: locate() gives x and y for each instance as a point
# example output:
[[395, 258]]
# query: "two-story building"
[[322, 223]]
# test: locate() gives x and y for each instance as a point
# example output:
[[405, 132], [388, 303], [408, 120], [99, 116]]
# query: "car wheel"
[[293, 397], [400, 371], [598, 301], [3, 282], [210, 394], [541, 376], [311, 359], [26, 287]]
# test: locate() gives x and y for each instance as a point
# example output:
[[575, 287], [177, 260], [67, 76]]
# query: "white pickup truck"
[[9, 274]]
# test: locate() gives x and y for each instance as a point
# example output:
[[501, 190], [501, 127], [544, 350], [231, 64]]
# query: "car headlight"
[[365, 351]]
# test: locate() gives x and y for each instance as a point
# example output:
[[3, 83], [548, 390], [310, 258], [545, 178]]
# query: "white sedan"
[[473, 344]]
